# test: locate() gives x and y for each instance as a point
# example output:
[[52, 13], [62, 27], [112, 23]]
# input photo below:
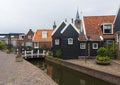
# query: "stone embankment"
[[21, 73], [109, 73]]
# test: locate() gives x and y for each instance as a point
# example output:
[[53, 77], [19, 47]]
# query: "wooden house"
[[56, 37], [117, 31], [69, 42], [27, 41]]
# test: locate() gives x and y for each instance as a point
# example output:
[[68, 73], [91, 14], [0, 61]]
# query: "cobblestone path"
[[21, 73]]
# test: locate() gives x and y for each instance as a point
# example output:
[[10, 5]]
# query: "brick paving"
[[113, 68], [21, 73]]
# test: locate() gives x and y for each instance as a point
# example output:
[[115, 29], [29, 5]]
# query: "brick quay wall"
[[91, 68]]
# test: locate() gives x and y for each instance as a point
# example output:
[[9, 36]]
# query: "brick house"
[[95, 32], [27, 41], [42, 38]]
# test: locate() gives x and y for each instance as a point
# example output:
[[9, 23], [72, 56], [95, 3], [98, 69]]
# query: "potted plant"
[[102, 57]]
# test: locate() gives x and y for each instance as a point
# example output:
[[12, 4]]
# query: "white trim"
[[93, 45], [44, 34], [82, 47], [57, 28], [83, 25], [72, 26], [116, 15], [36, 44], [101, 38], [104, 28], [70, 42], [57, 41]]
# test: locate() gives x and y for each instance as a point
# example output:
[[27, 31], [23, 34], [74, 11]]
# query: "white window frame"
[[36, 44], [105, 28], [82, 45], [44, 34], [57, 42], [93, 45], [70, 41]]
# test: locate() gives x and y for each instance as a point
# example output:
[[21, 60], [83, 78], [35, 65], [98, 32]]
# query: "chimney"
[[72, 20], [65, 19], [54, 26]]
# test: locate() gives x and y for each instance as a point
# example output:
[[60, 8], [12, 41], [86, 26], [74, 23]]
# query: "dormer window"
[[107, 28], [44, 34]]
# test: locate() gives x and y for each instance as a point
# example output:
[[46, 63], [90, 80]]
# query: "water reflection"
[[65, 76]]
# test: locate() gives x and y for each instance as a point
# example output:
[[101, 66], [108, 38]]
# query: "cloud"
[[20, 15]]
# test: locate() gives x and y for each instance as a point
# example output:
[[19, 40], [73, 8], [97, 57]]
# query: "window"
[[36, 45], [70, 41], [110, 42], [95, 45], [107, 28], [44, 34], [82, 45], [28, 44], [57, 42], [29, 37]]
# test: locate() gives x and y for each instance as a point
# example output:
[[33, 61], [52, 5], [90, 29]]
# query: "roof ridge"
[[100, 16]]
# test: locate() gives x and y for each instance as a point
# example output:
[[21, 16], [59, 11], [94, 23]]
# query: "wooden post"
[[31, 53], [25, 54], [38, 53], [19, 56]]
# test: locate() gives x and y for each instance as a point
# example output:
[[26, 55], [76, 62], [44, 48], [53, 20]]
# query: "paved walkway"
[[113, 68], [21, 73]]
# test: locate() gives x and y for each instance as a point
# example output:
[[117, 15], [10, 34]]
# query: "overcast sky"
[[21, 15]]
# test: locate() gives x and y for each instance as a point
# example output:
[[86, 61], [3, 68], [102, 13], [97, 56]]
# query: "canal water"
[[66, 76]]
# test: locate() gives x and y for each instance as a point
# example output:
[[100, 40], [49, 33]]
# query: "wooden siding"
[[70, 51], [57, 35]]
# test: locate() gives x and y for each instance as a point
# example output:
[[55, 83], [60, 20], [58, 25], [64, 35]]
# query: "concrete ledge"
[[115, 79]]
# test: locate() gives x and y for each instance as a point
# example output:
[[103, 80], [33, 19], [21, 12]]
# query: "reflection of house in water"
[[49, 70]]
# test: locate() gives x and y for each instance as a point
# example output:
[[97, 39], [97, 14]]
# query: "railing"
[[31, 54]]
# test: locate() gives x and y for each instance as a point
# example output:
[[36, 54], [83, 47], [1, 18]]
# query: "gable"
[[57, 30], [29, 35], [93, 26], [117, 22], [70, 29], [70, 26]]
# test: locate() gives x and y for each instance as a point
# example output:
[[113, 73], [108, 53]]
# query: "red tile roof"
[[38, 35], [92, 26]]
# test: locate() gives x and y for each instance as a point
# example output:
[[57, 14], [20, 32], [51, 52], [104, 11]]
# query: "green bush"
[[49, 53], [102, 51], [2, 46], [102, 57], [59, 53], [105, 58]]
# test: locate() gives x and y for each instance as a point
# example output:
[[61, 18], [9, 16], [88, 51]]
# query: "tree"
[[2, 45]]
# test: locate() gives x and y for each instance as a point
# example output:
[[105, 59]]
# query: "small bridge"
[[31, 54]]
